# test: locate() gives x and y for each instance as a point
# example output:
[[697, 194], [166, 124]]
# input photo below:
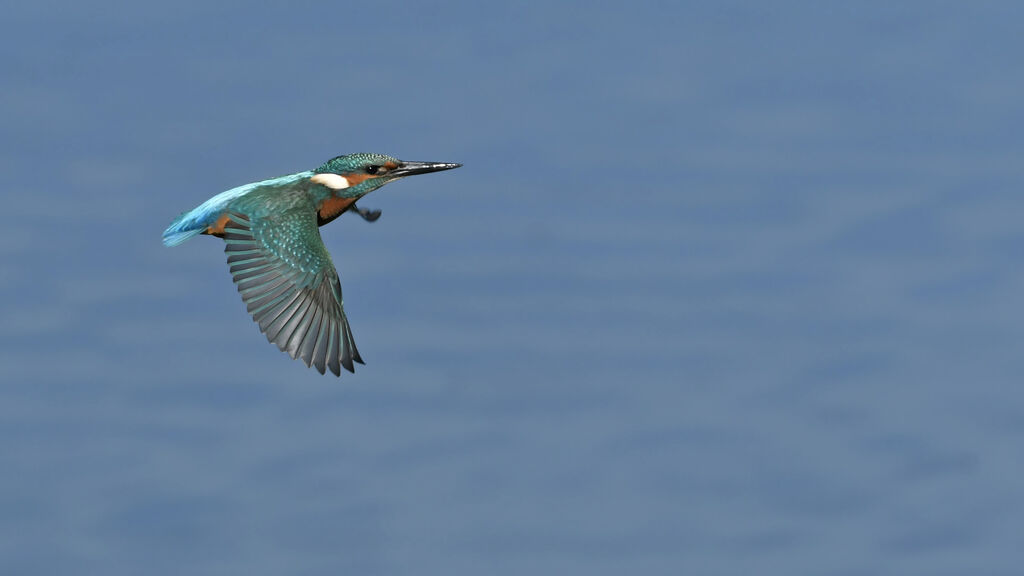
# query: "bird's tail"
[[183, 228]]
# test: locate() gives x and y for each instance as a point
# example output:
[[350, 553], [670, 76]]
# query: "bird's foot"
[[368, 215]]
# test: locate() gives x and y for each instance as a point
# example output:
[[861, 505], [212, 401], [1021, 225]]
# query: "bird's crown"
[[362, 163]]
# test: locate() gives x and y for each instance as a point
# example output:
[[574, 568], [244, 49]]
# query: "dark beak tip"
[[441, 165], [411, 168]]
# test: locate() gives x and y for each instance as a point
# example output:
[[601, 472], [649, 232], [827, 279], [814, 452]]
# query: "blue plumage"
[[184, 227], [277, 258], [193, 222]]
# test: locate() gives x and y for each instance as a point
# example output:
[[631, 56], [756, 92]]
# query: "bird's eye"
[[372, 169]]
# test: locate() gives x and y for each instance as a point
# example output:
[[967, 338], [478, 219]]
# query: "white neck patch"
[[332, 181]]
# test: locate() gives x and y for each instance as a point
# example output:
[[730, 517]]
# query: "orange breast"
[[333, 206]]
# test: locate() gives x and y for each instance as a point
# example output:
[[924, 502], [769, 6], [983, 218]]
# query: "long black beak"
[[411, 168]]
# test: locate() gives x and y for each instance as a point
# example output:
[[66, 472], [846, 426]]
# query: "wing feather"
[[290, 287]]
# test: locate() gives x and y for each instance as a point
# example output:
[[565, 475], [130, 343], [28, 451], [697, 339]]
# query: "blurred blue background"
[[722, 288]]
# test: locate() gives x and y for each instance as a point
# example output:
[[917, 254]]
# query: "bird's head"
[[360, 174]]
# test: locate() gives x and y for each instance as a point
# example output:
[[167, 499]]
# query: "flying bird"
[[277, 258]]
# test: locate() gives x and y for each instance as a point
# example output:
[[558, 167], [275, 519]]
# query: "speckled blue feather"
[[193, 222]]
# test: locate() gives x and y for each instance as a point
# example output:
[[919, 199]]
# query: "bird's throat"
[[330, 208]]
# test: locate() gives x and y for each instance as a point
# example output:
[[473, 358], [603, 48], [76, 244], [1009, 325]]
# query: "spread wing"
[[290, 286]]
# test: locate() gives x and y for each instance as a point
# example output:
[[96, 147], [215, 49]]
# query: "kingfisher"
[[271, 231]]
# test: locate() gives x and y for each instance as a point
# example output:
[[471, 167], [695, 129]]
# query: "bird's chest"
[[332, 207]]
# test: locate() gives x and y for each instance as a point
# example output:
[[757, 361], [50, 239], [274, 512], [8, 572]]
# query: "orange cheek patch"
[[357, 179], [217, 228], [391, 165], [333, 206]]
